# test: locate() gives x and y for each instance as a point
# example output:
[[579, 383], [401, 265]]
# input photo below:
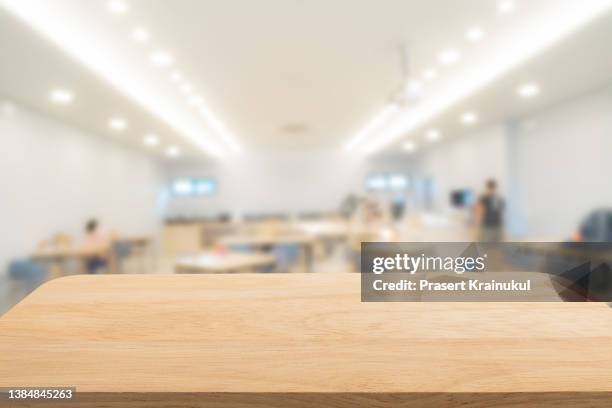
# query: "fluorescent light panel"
[[372, 126]]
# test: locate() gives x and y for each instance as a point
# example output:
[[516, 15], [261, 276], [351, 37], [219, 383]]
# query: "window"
[[194, 187], [387, 182]]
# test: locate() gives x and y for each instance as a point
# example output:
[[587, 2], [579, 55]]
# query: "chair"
[[25, 276], [286, 256], [121, 250]]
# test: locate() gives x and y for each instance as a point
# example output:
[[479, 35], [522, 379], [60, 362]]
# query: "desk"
[[300, 333], [58, 256], [265, 241], [324, 229], [211, 262]]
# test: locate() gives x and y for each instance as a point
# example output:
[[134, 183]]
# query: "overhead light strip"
[[560, 23], [47, 20]]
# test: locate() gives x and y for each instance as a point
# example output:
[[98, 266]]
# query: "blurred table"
[[326, 229], [300, 333], [264, 242], [212, 262], [57, 257]]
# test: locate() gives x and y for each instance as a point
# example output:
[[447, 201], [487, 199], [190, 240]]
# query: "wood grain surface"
[[293, 333]]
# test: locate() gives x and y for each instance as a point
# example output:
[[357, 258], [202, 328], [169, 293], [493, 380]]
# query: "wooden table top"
[[212, 262], [293, 332]]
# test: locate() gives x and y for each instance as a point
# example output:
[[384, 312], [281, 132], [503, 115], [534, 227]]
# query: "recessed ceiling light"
[[528, 90], [140, 35], [187, 89], [469, 118], [117, 124], [505, 6], [474, 34], [61, 96], [118, 6], [433, 135], [196, 100], [161, 58], [150, 140], [173, 151], [414, 87], [175, 76], [409, 147], [449, 56], [430, 74]]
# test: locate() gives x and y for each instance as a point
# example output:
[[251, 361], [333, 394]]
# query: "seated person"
[[98, 244]]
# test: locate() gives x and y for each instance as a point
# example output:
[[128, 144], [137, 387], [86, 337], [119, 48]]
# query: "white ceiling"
[[280, 74], [31, 67], [582, 63]]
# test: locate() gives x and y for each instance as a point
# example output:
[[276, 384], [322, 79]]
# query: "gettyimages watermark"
[[486, 272]]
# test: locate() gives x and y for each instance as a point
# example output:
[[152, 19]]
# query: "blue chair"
[[121, 250], [25, 276], [287, 255]]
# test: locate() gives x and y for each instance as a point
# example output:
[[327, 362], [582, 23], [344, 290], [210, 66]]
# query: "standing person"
[[490, 214]]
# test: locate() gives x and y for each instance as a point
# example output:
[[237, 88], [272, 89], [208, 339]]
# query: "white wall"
[[557, 162], [565, 163], [53, 177], [465, 163], [287, 182]]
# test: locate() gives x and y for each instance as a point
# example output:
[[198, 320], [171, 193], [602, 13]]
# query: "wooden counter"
[[300, 333]]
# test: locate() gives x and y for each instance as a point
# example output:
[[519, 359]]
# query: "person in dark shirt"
[[490, 214]]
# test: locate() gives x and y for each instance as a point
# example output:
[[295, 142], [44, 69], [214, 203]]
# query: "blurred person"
[[595, 227], [490, 214], [397, 207], [98, 243]]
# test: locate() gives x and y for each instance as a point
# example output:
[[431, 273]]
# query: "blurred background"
[[200, 136]]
